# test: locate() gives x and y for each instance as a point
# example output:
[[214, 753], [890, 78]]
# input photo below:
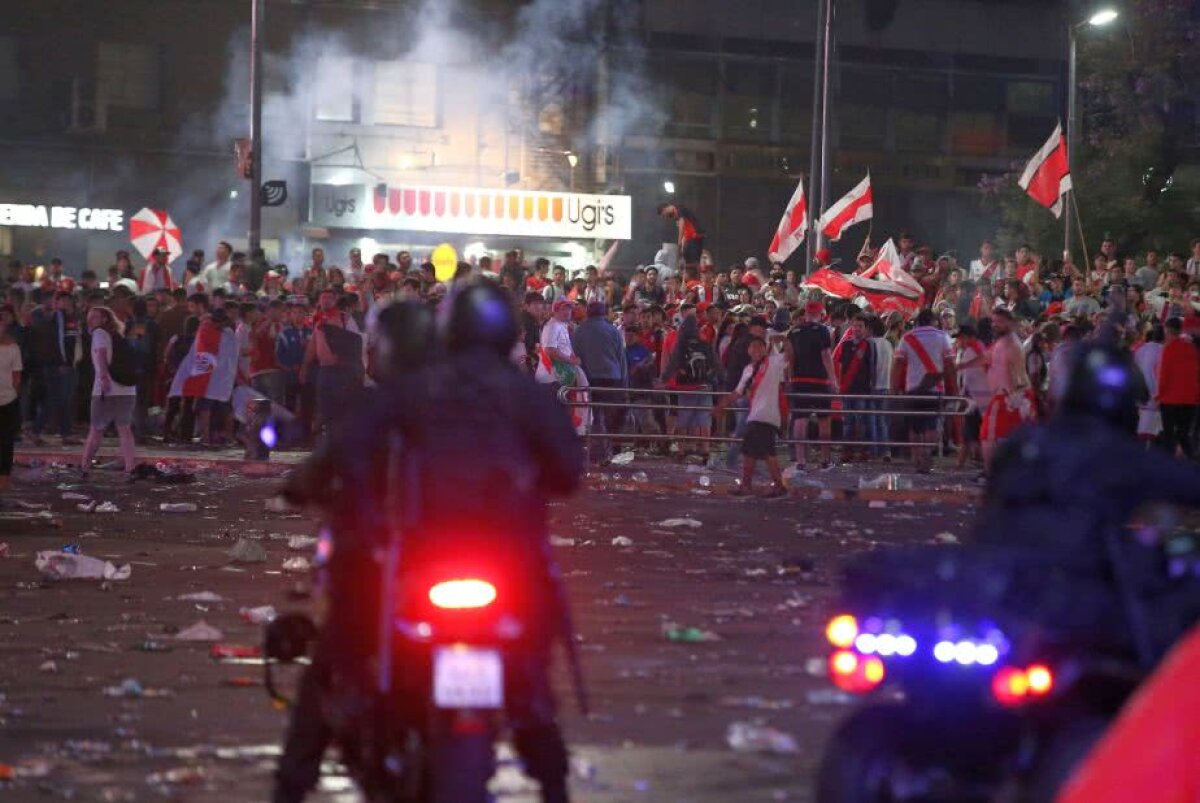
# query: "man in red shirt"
[[266, 375], [1178, 388]]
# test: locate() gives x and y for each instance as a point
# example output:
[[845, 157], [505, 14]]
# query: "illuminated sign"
[[470, 210], [62, 217]]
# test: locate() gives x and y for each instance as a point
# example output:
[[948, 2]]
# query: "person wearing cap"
[[601, 351], [157, 274], [558, 362]]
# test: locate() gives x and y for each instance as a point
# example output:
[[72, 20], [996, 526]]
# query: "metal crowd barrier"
[[888, 405]]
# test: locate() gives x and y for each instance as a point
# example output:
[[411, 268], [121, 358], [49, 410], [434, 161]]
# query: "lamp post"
[[1098, 20], [256, 83]]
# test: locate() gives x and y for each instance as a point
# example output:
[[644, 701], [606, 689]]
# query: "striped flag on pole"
[[1047, 178], [855, 207], [792, 227]]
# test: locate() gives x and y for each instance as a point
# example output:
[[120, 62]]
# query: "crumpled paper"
[[66, 566]]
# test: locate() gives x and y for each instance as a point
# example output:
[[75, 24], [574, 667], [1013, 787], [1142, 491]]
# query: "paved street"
[[199, 730]]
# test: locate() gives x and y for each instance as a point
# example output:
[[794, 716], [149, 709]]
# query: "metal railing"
[[899, 406]]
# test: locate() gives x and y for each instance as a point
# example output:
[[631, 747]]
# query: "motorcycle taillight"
[[462, 593]]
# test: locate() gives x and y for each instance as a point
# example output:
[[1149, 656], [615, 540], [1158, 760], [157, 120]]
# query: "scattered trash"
[[584, 768], [200, 631], [71, 496], [3, 549], [761, 703], [886, 482], [704, 481], [106, 507], [946, 538], [130, 687], [746, 737], [259, 616], [63, 566], [201, 596], [817, 667], [695, 635], [246, 551], [301, 542], [622, 540], [152, 646], [178, 507], [679, 523], [49, 667], [826, 495], [802, 567], [177, 776], [71, 549], [829, 697], [237, 651], [86, 507], [277, 504], [556, 540], [241, 682], [623, 459], [876, 503], [639, 476], [297, 565]]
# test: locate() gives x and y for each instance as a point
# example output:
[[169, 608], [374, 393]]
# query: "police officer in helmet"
[[491, 447]]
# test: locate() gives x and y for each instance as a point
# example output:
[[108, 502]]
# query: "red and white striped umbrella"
[[152, 228]]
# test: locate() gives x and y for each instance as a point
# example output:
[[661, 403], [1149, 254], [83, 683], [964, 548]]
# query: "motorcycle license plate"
[[467, 677]]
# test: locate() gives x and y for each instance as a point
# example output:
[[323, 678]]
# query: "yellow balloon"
[[445, 262]]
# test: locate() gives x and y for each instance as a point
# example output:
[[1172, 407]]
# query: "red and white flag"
[[793, 226], [855, 207], [1047, 178]]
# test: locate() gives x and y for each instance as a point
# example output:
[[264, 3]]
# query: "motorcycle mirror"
[[288, 637]]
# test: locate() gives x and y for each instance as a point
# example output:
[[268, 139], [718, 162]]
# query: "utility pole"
[[814, 161], [256, 82], [827, 42]]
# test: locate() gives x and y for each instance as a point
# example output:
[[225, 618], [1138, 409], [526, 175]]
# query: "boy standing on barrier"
[[762, 384]]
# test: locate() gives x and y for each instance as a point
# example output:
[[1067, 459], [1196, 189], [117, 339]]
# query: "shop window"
[[333, 98], [795, 103], [917, 131], [686, 89], [747, 103], [406, 93], [9, 85], [1030, 98], [976, 133], [863, 127], [128, 75]]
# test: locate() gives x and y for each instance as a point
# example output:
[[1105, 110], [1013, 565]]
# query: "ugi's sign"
[[62, 217]]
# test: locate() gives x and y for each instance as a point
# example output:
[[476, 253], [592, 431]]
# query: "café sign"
[[471, 210], [62, 217]]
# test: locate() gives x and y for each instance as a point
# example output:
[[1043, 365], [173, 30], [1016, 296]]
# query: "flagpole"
[[828, 50], [1071, 125], [814, 164], [1087, 263]]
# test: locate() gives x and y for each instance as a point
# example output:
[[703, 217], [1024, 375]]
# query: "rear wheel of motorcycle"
[[1064, 750], [460, 767], [862, 756]]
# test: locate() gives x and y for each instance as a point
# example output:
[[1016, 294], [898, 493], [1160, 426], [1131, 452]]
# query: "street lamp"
[[572, 160], [1099, 19], [669, 187]]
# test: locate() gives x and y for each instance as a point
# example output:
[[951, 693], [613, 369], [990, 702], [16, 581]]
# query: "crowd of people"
[[672, 352]]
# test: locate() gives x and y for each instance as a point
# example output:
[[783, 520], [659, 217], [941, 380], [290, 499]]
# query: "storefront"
[[37, 230], [564, 227]]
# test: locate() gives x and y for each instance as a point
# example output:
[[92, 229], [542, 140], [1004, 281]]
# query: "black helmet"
[[1105, 383], [406, 336], [482, 316]]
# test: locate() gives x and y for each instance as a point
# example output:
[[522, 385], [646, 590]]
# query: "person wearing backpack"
[[114, 391], [692, 366]]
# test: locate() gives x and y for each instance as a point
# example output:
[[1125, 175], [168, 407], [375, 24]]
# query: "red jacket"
[[1179, 373]]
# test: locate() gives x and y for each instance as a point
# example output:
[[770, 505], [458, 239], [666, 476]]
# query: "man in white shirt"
[[987, 266], [1012, 403], [972, 383], [761, 383], [923, 366], [556, 345], [216, 273]]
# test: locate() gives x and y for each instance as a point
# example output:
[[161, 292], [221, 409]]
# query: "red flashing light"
[[465, 593], [1012, 686], [842, 630], [854, 673]]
